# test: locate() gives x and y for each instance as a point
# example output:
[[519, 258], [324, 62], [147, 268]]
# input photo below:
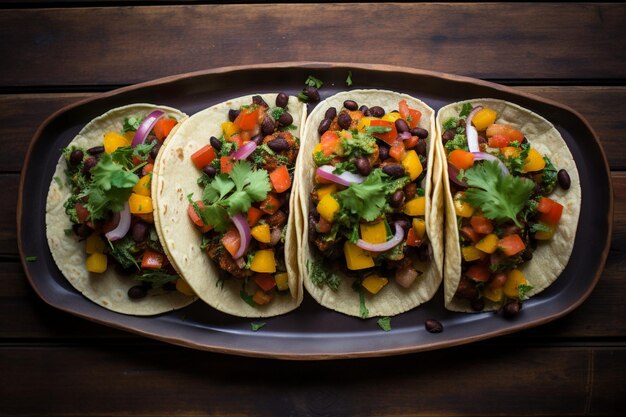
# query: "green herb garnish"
[[257, 326], [31, 258], [349, 79], [311, 81], [523, 290], [384, 323], [320, 276]]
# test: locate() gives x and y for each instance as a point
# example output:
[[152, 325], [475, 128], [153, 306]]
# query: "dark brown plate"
[[312, 332]]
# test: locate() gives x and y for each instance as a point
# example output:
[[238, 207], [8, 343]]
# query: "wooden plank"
[[21, 115], [159, 380], [9, 185], [104, 46]]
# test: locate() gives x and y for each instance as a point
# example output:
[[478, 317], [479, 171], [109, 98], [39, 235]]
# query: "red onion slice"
[[453, 175], [146, 126], [244, 234], [122, 226], [470, 131], [382, 247], [245, 151], [404, 136], [346, 178], [478, 156]]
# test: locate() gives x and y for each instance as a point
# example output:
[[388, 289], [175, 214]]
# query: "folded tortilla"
[[392, 299], [550, 257], [175, 177], [109, 289]]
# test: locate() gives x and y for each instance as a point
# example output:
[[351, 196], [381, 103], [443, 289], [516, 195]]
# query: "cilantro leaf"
[[466, 109], [157, 277], [459, 142], [31, 259], [450, 123], [548, 178], [320, 276], [358, 145], [384, 323], [349, 79], [247, 298], [500, 197], [311, 81], [257, 326], [276, 112], [363, 311], [131, 124], [539, 227], [110, 188], [320, 159], [523, 290], [123, 250]]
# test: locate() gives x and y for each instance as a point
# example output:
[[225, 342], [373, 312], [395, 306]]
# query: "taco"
[[512, 197], [225, 205], [373, 244], [99, 222]]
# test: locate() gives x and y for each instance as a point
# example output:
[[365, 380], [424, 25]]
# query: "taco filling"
[[502, 193], [246, 174], [367, 214], [110, 204]]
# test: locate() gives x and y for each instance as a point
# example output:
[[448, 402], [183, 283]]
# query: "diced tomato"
[[478, 273], [197, 220], [389, 137], [397, 150], [403, 108], [553, 215], [411, 142], [499, 141], [505, 130], [280, 179], [545, 205], [330, 142], [231, 241], [261, 298], [254, 214], [147, 169], [81, 212], [270, 205], [226, 164], [265, 281], [470, 234], [203, 156], [461, 159], [323, 226], [247, 118], [152, 260], [511, 245], [412, 239], [481, 224], [163, 127], [414, 118]]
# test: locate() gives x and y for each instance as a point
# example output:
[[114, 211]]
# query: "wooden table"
[[52, 363]]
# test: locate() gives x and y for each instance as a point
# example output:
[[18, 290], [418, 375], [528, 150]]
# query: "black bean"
[[76, 157], [258, 139], [282, 99], [258, 100], [397, 199], [311, 93], [88, 164], [324, 126], [433, 326], [478, 304], [285, 119], [140, 232], [330, 113], [96, 150], [344, 120], [363, 166], [136, 292], [394, 170], [215, 143], [278, 145], [267, 127], [154, 152], [448, 135], [363, 109], [512, 308], [209, 170], [350, 105], [564, 180], [401, 126], [383, 152], [419, 132], [232, 114], [421, 147], [82, 230], [527, 255], [377, 111]]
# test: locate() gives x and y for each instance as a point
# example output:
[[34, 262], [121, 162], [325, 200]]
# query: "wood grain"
[[102, 46]]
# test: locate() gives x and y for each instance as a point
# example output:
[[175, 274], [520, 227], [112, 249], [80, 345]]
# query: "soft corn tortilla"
[[392, 299], [176, 177], [550, 257], [110, 288]]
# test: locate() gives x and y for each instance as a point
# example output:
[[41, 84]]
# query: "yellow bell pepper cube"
[[493, 294], [462, 208], [509, 152], [534, 161], [318, 148], [94, 244], [470, 253], [419, 225], [263, 261], [184, 288], [392, 117], [129, 135], [546, 235], [357, 258], [412, 164], [364, 123], [113, 140], [229, 129], [140, 204], [484, 118], [282, 281], [143, 185], [96, 262], [325, 190], [415, 207], [515, 278], [374, 232], [261, 233], [488, 244], [328, 207], [374, 283]]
